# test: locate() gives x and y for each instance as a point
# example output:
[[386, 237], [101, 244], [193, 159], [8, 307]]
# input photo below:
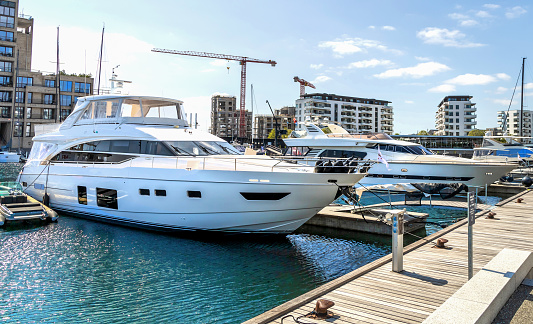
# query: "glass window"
[[5, 112], [48, 113], [6, 51], [5, 96], [50, 83], [81, 87], [49, 99], [105, 109], [65, 86], [5, 81], [28, 112], [131, 108], [28, 130], [24, 81], [5, 66], [19, 97], [106, 198], [65, 100], [82, 195], [19, 112], [6, 36], [17, 131]]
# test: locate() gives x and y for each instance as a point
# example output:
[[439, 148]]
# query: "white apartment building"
[[509, 122], [456, 116], [356, 115]]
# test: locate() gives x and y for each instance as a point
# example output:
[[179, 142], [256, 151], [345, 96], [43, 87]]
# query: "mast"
[[522, 98], [100, 60], [58, 80]]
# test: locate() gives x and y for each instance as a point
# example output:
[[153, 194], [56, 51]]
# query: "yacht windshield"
[[202, 148]]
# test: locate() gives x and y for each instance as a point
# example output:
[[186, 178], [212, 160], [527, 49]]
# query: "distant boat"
[[6, 157]]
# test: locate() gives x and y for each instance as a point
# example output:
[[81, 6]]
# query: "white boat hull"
[[9, 157], [221, 207]]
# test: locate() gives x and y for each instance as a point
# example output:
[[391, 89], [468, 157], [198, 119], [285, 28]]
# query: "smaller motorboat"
[[15, 205], [6, 157], [503, 149]]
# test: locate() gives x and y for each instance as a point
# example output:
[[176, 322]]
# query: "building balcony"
[[473, 122]]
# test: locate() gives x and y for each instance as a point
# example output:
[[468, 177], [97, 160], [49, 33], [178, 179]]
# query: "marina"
[[375, 294]]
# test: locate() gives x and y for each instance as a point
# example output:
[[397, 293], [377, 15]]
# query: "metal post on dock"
[[397, 242], [486, 195], [472, 197]]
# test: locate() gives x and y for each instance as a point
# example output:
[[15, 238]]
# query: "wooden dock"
[[375, 294]]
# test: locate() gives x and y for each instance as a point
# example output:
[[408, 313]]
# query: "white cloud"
[[418, 71], [515, 12], [491, 6], [371, 27], [443, 88], [316, 66], [368, 63], [504, 102], [472, 79], [420, 58], [501, 90], [355, 45], [388, 28], [409, 102], [483, 14], [458, 16], [445, 37], [503, 76], [468, 23], [321, 78]]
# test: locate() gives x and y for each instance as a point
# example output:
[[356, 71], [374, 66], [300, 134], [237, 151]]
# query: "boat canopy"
[[126, 110]]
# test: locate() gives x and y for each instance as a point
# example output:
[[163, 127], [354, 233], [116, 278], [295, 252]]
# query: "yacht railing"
[[228, 163]]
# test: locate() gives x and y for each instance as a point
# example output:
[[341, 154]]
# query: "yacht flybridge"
[[134, 160], [406, 162]]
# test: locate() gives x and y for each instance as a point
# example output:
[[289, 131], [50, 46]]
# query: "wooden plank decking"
[[375, 294]]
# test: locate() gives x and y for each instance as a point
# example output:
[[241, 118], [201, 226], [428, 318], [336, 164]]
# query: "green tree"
[[476, 132], [422, 132], [272, 133]]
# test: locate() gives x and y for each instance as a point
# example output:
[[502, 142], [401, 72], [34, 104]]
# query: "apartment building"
[[225, 118], [264, 124], [29, 98], [455, 116], [355, 114], [509, 122]]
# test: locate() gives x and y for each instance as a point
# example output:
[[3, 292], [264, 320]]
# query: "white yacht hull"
[[221, 207], [471, 174]]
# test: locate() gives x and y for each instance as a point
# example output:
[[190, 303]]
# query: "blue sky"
[[412, 53]]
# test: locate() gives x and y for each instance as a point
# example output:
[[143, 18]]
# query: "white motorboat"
[[135, 161], [508, 150], [8, 157], [406, 162]]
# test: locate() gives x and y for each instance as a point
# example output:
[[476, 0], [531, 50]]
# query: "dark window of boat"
[[125, 146], [106, 198], [194, 194], [159, 192], [264, 195], [144, 192], [88, 157], [297, 150], [82, 195], [342, 154], [24, 184]]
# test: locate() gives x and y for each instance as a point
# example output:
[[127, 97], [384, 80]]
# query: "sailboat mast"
[[522, 98], [58, 80], [100, 61]]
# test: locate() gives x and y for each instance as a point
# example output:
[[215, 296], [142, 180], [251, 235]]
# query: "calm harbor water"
[[79, 270]]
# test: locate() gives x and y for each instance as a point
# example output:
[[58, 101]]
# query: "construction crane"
[[242, 61], [303, 84]]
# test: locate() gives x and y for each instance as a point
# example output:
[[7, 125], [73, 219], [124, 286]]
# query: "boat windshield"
[[369, 136], [203, 148], [411, 149]]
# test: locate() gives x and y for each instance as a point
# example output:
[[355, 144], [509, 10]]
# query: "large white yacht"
[[406, 162], [134, 160]]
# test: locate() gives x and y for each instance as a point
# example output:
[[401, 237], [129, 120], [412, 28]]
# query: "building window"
[[28, 130], [30, 97], [17, 130], [7, 8], [65, 100], [5, 66], [19, 112], [28, 112], [19, 97], [81, 87], [24, 81], [5, 81], [49, 99], [5, 112], [66, 86], [48, 113], [106, 198], [50, 83], [6, 51], [5, 96], [65, 113], [6, 36]]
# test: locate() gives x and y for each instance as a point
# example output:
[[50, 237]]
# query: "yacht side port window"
[[202, 148], [82, 195], [106, 198]]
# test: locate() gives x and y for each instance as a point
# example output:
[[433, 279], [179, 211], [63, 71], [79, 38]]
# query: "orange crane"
[[242, 61], [303, 84]]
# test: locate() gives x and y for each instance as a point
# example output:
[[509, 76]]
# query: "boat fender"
[[52, 215], [46, 199], [527, 181], [2, 220]]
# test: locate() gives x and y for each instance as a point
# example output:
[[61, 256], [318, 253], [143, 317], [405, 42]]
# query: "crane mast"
[[242, 61]]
